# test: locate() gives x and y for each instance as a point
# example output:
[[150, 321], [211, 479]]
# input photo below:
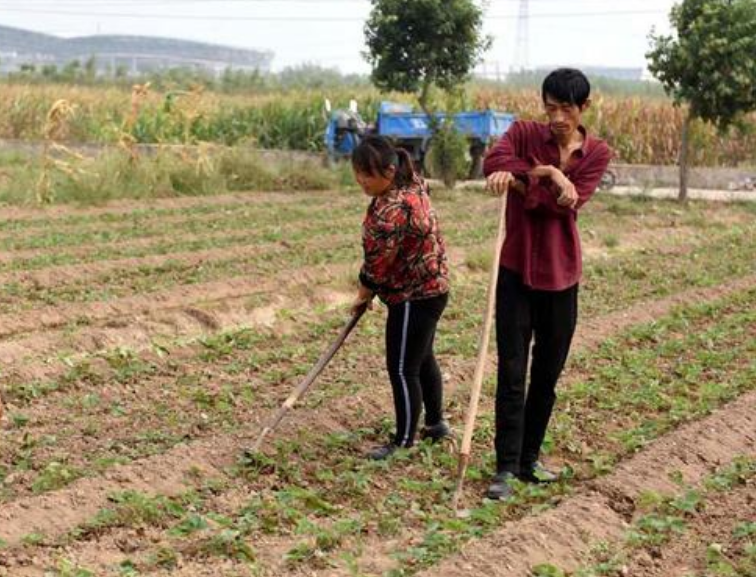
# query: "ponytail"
[[405, 168], [375, 154]]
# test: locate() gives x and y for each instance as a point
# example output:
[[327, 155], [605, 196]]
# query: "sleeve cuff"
[[532, 199], [366, 282]]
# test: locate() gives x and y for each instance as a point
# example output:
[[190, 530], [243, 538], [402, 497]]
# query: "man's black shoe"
[[537, 473], [501, 487]]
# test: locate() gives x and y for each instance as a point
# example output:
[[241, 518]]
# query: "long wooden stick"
[[302, 387], [472, 409]]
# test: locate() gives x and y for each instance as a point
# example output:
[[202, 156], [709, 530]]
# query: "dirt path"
[[693, 194], [658, 193]]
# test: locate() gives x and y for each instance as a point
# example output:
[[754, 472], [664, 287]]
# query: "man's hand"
[[363, 301], [499, 182], [568, 195]]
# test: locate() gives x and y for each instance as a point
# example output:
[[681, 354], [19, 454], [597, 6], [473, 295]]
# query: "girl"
[[405, 265]]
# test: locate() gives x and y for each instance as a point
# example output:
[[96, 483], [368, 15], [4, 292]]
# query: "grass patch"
[[202, 171]]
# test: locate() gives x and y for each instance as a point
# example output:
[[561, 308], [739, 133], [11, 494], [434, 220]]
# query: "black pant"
[[412, 367], [521, 315]]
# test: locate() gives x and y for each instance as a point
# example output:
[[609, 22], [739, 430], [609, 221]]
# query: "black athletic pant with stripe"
[[548, 319], [412, 367]]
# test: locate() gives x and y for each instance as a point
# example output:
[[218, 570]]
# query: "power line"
[[205, 17], [312, 2], [215, 17]]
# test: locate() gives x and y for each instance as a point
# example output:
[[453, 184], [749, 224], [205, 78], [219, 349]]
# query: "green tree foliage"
[[415, 45], [447, 155], [709, 64]]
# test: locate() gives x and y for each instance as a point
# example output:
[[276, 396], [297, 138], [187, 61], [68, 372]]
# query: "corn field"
[[640, 130]]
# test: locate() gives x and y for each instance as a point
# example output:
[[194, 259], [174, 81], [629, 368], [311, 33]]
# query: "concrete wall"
[[33, 148], [647, 176], [633, 175]]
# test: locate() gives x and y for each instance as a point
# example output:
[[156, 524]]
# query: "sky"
[[330, 32]]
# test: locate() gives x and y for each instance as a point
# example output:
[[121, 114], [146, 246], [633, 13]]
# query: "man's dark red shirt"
[[542, 242]]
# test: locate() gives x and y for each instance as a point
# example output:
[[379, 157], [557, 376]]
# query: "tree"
[[415, 45], [710, 65], [90, 70], [70, 72]]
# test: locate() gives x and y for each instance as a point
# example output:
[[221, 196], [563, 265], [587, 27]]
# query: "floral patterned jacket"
[[405, 256]]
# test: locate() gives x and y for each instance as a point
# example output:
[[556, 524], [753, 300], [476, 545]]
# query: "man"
[[549, 171]]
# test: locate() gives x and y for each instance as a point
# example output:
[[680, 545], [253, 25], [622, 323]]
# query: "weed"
[[66, 568], [55, 475]]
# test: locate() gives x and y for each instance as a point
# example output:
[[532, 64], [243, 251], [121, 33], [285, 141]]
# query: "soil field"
[[142, 346]]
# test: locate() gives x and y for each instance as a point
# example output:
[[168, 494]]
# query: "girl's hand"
[[363, 301]]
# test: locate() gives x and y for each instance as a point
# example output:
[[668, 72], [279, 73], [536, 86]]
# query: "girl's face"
[[375, 184]]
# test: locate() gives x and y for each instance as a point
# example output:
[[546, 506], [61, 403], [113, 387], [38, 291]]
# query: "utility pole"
[[521, 59]]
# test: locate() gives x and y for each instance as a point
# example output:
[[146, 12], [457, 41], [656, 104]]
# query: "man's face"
[[564, 117]]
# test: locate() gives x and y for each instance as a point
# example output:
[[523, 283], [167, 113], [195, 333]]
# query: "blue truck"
[[411, 130]]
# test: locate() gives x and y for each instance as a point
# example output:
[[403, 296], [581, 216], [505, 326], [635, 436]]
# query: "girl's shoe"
[[436, 432], [382, 452]]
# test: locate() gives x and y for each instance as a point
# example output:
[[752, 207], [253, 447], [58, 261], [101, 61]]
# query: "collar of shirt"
[[548, 137]]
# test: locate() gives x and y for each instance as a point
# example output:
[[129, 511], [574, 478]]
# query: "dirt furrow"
[[592, 331], [144, 246], [52, 317], [709, 530], [105, 235], [119, 208], [77, 273], [164, 474], [41, 344], [641, 313], [563, 535]]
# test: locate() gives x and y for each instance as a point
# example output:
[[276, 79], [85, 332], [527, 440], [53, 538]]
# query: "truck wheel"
[[476, 167], [477, 149]]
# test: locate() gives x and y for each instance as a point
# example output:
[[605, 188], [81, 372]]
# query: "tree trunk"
[[423, 99], [683, 161], [425, 146]]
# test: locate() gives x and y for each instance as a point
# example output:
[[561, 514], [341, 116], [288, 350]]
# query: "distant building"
[[496, 71], [616, 73], [131, 54]]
